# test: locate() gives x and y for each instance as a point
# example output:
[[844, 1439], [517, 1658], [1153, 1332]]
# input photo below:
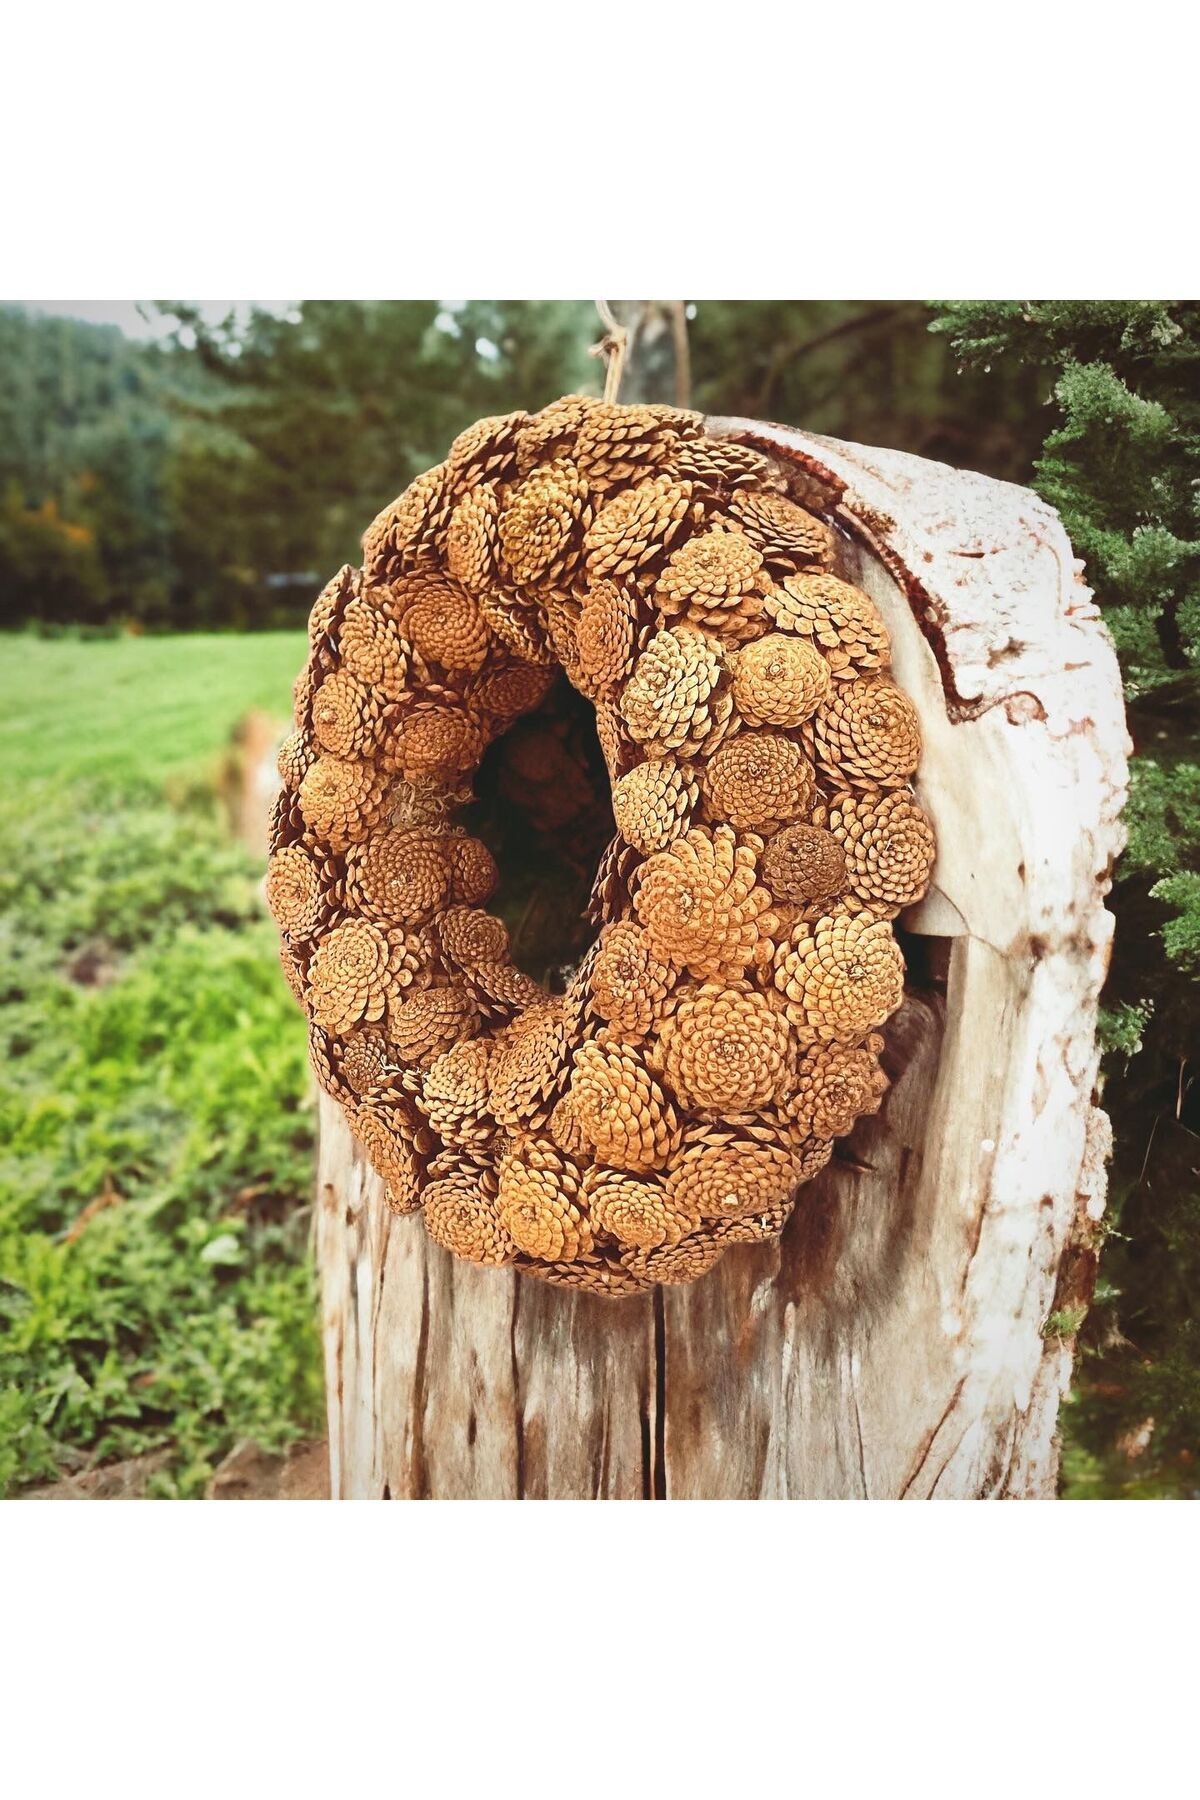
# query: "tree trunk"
[[911, 1335]]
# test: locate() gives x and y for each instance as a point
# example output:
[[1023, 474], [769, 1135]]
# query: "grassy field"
[[155, 1175]]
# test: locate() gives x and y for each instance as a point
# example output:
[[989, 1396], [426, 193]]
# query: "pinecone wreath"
[[722, 1031]]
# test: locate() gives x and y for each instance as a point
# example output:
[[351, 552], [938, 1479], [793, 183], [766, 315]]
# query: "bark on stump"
[[910, 1335]]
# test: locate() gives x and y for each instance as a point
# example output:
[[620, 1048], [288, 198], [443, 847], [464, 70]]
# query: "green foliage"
[[155, 1116], [1121, 463]]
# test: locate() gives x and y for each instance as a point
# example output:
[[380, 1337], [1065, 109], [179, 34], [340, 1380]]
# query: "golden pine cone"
[[653, 803], [486, 447], [454, 1093], [803, 863], [518, 624], [888, 844], [616, 746], [435, 743], [345, 716], [675, 1264], [326, 1065], [715, 580], [835, 1085], [867, 733], [727, 1174], [328, 606], [622, 1112], [542, 523], [783, 531], [666, 702], [778, 680], [466, 1222], [637, 1213], [637, 526], [472, 538], [386, 1134], [611, 888], [529, 1066], [295, 759], [724, 1049], [702, 907], [551, 433], [841, 977], [371, 647], [628, 984], [408, 532], [343, 802], [442, 622], [423, 1025], [403, 873], [303, 689], [565, 1130], [756, 780], [614, 443], [472, 868], [471, 937], [299, 891], [505, 694], [357, 972], [363, 1058], [504, 988], [718, 466], [839, 619], [604, 636], [538, 1206], [597, 1275]]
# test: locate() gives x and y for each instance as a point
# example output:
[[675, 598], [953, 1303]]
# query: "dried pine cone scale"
[[723, 1030]]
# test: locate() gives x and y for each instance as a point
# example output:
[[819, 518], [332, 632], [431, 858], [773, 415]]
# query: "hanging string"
[[614, 347]]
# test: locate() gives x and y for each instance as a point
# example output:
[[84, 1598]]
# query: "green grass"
[[155, 1113]]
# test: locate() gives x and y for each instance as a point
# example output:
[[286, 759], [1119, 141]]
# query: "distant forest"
[[217, 477]]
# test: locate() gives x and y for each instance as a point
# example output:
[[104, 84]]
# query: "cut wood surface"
[[910, 1334]]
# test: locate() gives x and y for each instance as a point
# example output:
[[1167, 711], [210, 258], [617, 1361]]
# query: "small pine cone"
[[466, 1222], [724, 1050], [637, 1213], [561, 617], [357, 972], [473, 1163], [486, 449], [835, 1085], [866, 733], [345, 716], [343, 802], [622, 1111], [386, 1133], [605, 635], [326, 1066], [518, 624], [371, 647], [783, 531], [803, 863], [472, 938], [839, 619], [717, 466], [504, 989], [666, 700], [611, 894], [615, 443], [472, 538], [538, 1205], [715, 580], [295, 759], [888, 844], [425, 1024], [442, 622], [408, 533], [566, 1132], [287, 824], [616, 746], [435, 742], [676, 1264], [551, 433], [505, 694], [400, 874], [653, 803], [702, 907], [364, 1060], [454, 1094], [727, 1174], [628, 984], [293, 970], [636, 527], [300, 891], [530, 1065], [841, 977], [756, 780], [541, 526], [473, 872], [778, 680]]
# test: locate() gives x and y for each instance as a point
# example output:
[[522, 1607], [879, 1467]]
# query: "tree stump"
[[911, 1334]]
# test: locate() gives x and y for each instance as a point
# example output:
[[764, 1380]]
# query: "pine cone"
[[717, 466], [666, 702], [552, 432], [622, 1112], [637, 1213], [472, 538], [295, 759], [756, 780], [504, 694], [472, 867], [454, 1093], [435, 743], [372, 649], [616, 443], [867, 733], [604, 636], [636, 527], [835, 1085], [803, 863], [539, 1205], [702, 907], [357, 973], [529, 1066], [722, 1173], [839, 619], [403, 873], [343, 802], [653, 803], [842, 977], [628, 984], [485, 449], [442, 622], [301, 891], [888, 844], [724, 1050], [611, 890], [363, 1060], [675, 1264], [541, 526], [783, 531], [715, 580], [472, 938], [778, 680], [425, 1024], [408, 533], [386, 1133], [345, 716], [467, 1222]]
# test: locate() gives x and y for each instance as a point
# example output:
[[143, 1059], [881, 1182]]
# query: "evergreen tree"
[[1121, 463]]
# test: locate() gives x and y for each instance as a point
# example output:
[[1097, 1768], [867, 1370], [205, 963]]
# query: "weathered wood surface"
[[895, 1343]]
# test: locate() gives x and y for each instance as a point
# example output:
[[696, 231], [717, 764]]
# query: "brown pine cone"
[[715, 580], [343, 802], [838, 619], [622, 1112], [541, 526], [702, 907], [835, 1085], [756, 780], [358, 972], [628, 984], [371, 647], [842, 977], [666, 702], [605, 635], [724, 1049], [539, 1205], [467, 1222], [888, 844], [803, 863], [783, 531], [866, 733], [653, 803], [636, 527], [345, 716], [778, 680], [635, 1212], [403, 873]]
